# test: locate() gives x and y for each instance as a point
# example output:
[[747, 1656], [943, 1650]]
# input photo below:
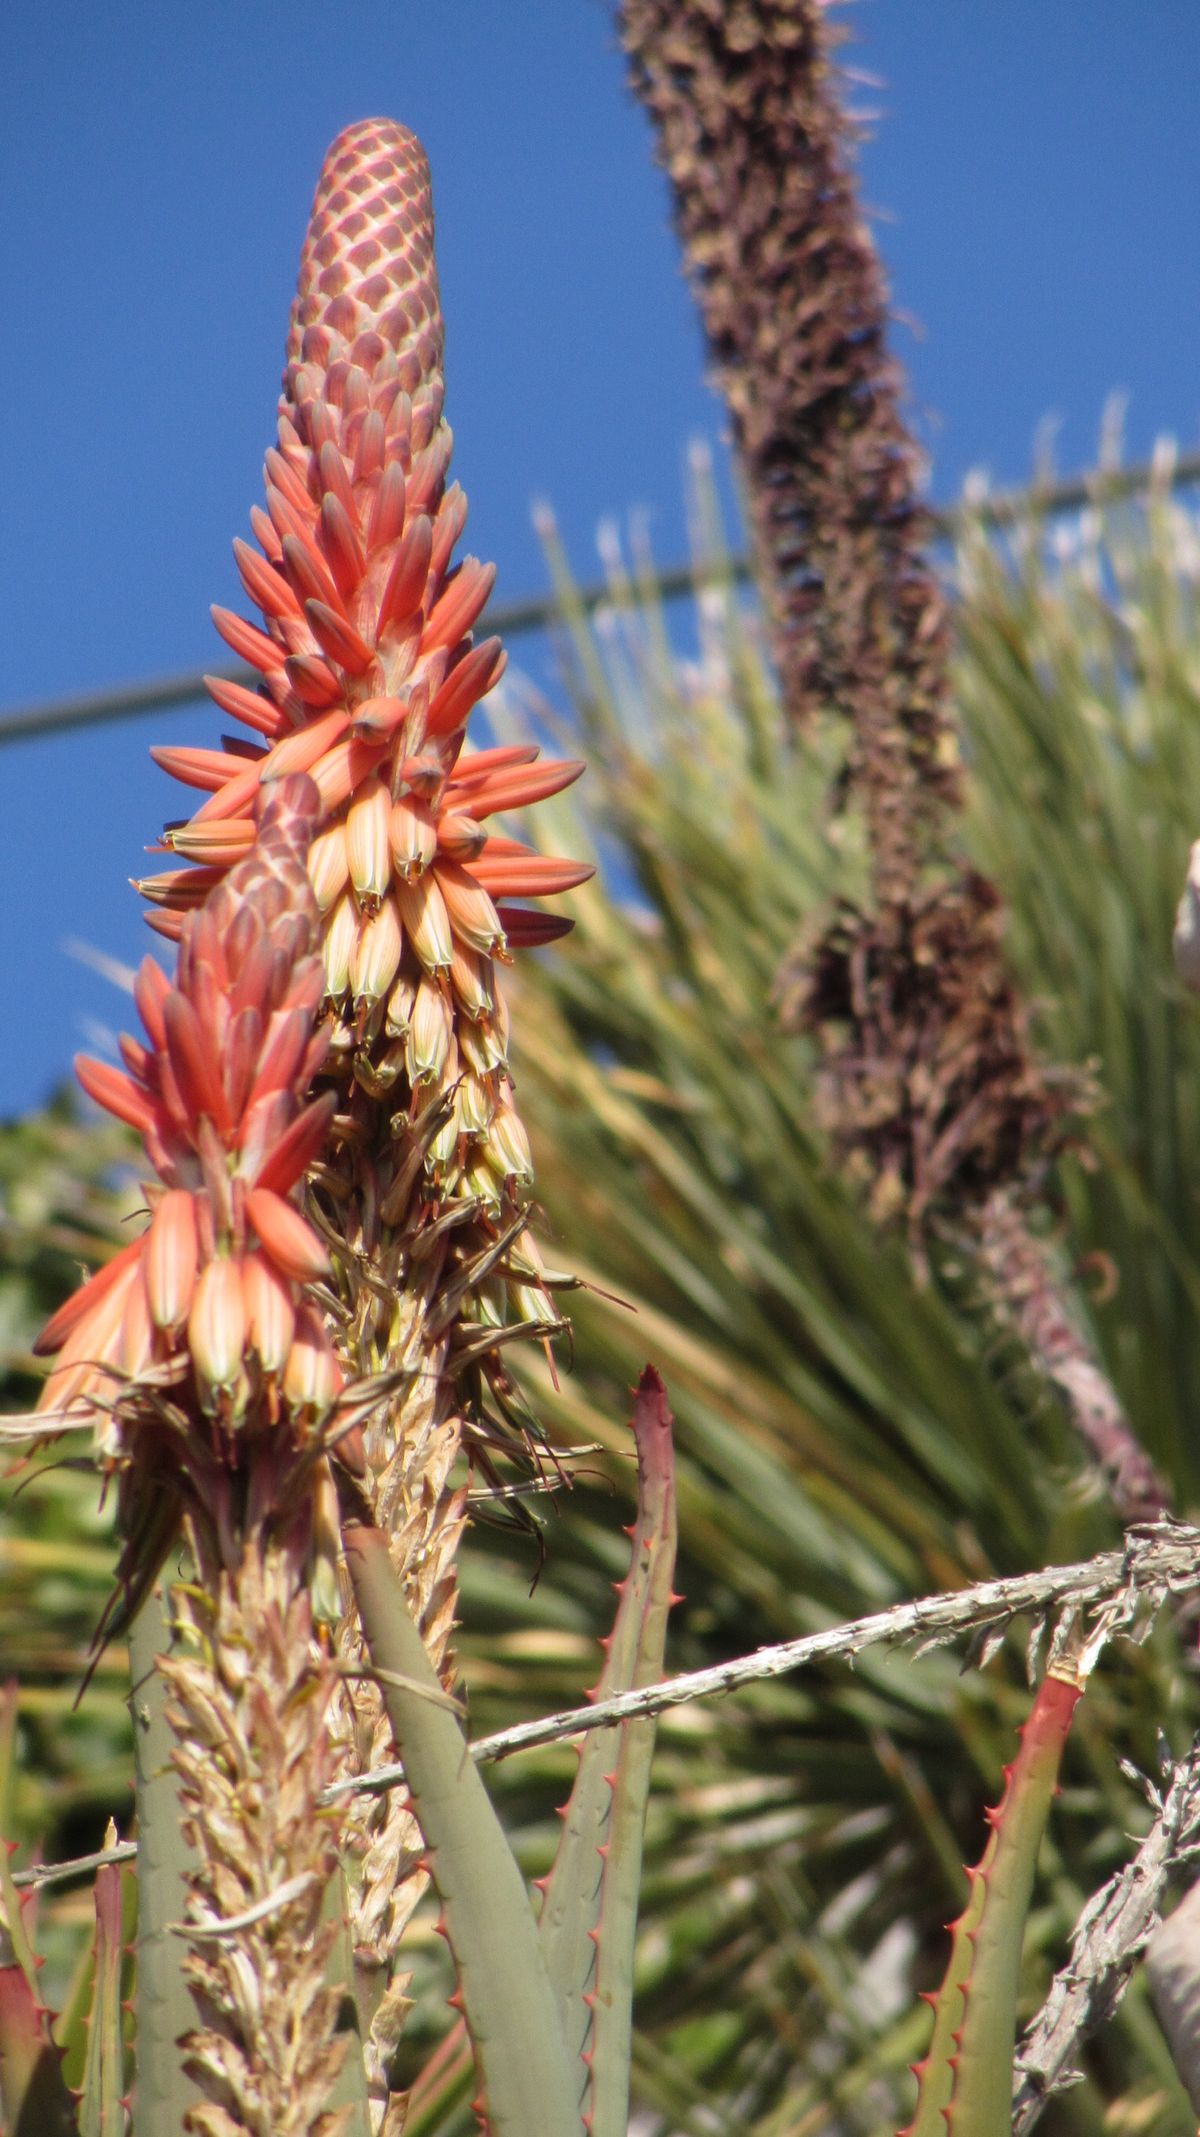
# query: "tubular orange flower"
[[217, 1323], [368, 665], [171, 1251], [270, 1311], [286, 1237]]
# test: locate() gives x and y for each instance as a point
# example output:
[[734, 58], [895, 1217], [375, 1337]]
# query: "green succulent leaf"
[[589, 1911], [101, 2106], [526, 2078], [966, 2079]]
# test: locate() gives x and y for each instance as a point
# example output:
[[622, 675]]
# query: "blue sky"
[[1034, 174]]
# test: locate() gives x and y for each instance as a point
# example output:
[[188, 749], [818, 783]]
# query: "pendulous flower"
[[219, 1091], [370, 669]]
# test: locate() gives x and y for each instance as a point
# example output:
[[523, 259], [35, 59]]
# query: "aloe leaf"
[[71, 2025], [34, 2100], [526, 2079], [101, 2106], [589, 1912], [965, 2081], [349, 2092], [33, 2093], [165, 2011]]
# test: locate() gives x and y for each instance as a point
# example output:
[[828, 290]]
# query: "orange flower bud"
[[507, 1148], [429, 1034], [288, 1237], [217, 1322], [270, 1312], [473, 980], [367, 824], [376, 956], [401, 1003], [312, 1376], [472, 914], [474, 1104], [426, 921], [413, 836], [92, 1343], [171, 1253], [329, 866], [341, 941]]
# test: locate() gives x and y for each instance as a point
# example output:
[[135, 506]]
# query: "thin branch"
[[1157, 1561], [1112, 1930], [1009, 508], [60, 1873]]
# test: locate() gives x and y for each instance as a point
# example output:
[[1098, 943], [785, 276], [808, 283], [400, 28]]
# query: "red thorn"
[[676, 1596]]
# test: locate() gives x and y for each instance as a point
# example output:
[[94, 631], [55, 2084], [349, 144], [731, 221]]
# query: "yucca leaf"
[[527, 2080]]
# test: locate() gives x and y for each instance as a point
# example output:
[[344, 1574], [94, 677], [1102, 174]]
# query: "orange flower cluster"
[[369, 672], [215, 1286]]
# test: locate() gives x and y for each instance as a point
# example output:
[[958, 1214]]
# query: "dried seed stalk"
[[794, 303], [932, 1092]]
